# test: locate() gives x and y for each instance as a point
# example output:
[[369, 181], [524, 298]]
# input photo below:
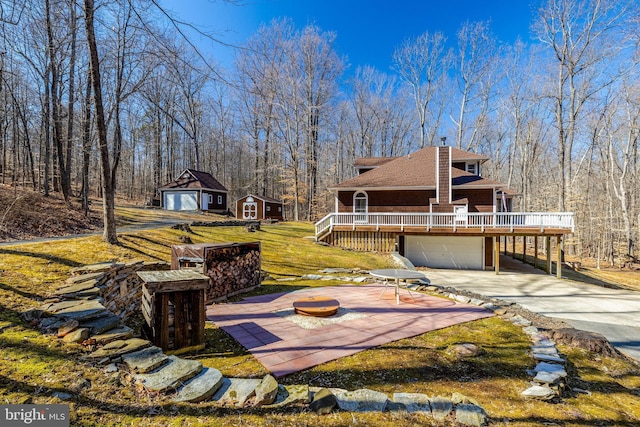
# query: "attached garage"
[[453, 252], [181, 201]]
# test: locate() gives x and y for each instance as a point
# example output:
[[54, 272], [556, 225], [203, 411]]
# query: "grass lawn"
[[34, 366]]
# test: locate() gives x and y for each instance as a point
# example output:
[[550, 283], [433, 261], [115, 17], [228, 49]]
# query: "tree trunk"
[[86, 148], [109, 234]]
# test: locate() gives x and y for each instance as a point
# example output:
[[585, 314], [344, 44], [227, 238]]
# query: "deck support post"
[[524, 249], [535, 251], [496, 249], [559, 256], [548, 247], [513, 247]]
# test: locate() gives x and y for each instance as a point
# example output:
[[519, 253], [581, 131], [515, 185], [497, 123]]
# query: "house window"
[[471, 168], [220, 200], [360, 202]]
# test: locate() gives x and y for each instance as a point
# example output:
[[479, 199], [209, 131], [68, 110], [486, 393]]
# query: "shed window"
[[279, 208], [268, 208], [219, 200], [210, 198]]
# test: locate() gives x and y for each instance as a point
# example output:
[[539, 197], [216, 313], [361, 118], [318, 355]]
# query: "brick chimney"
[[443, 164]]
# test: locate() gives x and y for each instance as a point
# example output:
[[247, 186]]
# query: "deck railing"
[[508, 221]]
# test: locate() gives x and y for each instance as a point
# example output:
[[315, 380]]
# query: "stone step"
[[235, 392], [548, 358], [119, 333], [94, 268], [119, 347], [551, 368], [81, 310], [200, 387], [53, 307], [145, 360], [291, 395], [76, 287], [102, 324], [98, 277], [412, 402], [171, 375], [539, 392], [361, 400]]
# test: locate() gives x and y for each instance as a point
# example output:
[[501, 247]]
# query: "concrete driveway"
[[611, 312]]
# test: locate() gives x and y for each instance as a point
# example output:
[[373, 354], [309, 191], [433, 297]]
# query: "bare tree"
[[583, 39], [108, 185], [475, 72], [423, 64]]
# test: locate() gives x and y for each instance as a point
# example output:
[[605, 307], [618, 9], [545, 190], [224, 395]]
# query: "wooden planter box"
[[232, 268], [173, 308]]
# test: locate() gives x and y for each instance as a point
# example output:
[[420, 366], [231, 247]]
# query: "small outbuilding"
[[259, 208], [194, 190]]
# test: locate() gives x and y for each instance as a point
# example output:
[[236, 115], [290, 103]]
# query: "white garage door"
[[181, 201], [446, 251]]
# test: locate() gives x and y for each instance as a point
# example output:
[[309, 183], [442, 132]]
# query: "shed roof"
[[263, 198]]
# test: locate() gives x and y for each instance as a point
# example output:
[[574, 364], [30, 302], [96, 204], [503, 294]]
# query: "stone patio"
[[283, 346]]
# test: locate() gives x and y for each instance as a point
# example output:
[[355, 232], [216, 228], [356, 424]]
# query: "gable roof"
[[263, 198], [195, 180], [417, 171], [371, 162]]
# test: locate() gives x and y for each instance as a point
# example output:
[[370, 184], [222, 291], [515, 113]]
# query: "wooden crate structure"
[[232, 268], [173, 308]]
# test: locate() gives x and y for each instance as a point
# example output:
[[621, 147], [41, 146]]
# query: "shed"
[[194, 190], [259, 208]]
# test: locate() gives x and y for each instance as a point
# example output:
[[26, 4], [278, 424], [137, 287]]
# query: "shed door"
[[249, 210], [446, 251], [181, 201]]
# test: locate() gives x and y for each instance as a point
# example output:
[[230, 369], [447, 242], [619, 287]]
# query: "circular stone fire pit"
[[317, 306]]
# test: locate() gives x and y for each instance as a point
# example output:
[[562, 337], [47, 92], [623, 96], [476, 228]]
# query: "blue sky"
[[367, 31]]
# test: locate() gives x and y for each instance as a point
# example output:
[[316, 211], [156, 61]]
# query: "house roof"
[[417, 170], [372, 162], [263, 198], [194, 180]]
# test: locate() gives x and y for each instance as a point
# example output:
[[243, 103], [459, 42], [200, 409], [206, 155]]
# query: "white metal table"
[[396, 274]]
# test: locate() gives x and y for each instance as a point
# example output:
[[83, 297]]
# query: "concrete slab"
[[613, 313]]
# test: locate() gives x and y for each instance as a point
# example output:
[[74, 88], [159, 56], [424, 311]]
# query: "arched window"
[[360, 202]]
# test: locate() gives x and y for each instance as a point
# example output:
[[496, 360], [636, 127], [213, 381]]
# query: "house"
[[259, 207], [194, 190], [435, 208]]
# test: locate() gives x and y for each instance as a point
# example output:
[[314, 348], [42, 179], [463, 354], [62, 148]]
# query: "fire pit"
[[316, 306]]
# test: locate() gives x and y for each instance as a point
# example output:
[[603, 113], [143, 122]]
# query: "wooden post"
[[496, 261], [535, 251], [524, 249], [559, 256], [548, 243], [505, 246], [513, 247]]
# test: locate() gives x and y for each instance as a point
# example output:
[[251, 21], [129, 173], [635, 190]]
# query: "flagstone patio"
[[285, 342]]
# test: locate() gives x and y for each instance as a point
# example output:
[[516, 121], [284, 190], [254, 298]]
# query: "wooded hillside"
[[112, 95]]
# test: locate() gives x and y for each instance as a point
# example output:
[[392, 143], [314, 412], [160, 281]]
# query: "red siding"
[[480, 200], [389, 201]]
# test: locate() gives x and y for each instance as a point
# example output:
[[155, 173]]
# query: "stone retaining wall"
[[117, 284]]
